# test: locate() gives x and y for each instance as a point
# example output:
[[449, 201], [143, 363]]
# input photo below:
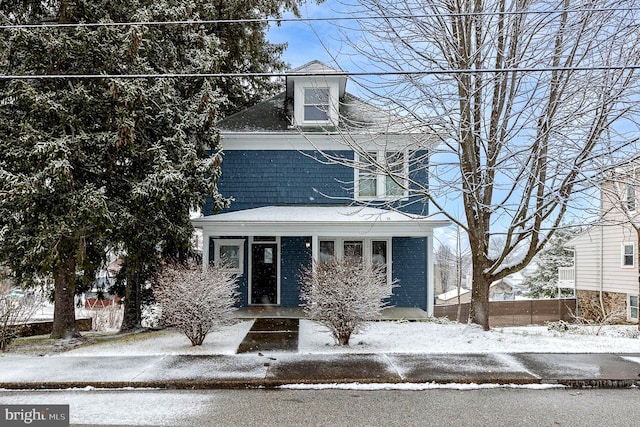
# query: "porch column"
[[205, 249], [315, 251], [430, 278]]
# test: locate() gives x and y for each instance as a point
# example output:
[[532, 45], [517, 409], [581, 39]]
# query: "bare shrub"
[[611, 317], [195, 301], [343, 294], [14, 312]]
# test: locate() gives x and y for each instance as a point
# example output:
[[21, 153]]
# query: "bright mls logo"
[[34, 415]]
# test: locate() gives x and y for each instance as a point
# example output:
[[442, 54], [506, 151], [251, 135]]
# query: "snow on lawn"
[[167, 341], [424, 337], [386, 337]]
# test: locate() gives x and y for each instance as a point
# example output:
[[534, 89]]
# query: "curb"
[[276, 384]]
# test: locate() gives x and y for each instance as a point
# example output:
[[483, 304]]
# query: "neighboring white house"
[[500, 290], [605, 271]]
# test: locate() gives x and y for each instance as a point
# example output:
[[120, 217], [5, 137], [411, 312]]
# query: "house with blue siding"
[[304, 169]]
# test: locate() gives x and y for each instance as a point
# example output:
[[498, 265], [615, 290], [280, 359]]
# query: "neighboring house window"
[[316, 104], [632, 305], [381, 175], [231, 252], [628, 255], [630, 197]]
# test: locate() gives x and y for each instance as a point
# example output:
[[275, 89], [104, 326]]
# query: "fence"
[[516, 313]]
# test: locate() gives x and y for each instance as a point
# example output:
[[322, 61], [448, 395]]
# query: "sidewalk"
[[275, 369]]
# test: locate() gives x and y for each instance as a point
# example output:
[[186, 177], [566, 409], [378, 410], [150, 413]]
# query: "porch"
[[268, 246]]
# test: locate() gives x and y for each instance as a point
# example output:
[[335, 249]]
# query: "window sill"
[[382, 199]]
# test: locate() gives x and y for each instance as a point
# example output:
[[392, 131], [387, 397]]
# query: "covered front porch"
[[269, 246]]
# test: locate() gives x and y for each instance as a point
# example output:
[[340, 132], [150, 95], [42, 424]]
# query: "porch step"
[[271, 334]]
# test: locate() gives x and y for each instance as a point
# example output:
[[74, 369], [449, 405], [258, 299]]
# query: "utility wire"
[[307, 74], [328, 19]]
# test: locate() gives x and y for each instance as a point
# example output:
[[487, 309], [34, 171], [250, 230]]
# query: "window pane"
[[392, 188], [367, 177], [316, 96], [327, 250], [313, 112], [628, 255], [353, 249], [379, 253], [633, 313], [367, 186], [231, 255], [631, 198], [395, 164]]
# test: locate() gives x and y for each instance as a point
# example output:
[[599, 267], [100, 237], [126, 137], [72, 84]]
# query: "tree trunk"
[[479, 310], [64, 315], [132, 317]]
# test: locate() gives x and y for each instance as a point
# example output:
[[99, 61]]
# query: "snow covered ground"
[[387, 337]]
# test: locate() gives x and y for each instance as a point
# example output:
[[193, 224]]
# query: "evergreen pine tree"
[[543, 283], [92, 164], [88, 164]]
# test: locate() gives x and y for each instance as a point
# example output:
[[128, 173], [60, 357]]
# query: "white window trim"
[[230, 242], [629, 317], [328, 104], [367, 247], [381, 178], [633, 256]]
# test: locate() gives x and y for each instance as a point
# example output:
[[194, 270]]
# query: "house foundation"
[[591, 306]]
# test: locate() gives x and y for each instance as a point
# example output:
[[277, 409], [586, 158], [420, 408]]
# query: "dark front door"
[[264, 274]]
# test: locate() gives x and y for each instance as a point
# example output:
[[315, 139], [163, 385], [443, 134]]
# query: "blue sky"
[[309, 40]]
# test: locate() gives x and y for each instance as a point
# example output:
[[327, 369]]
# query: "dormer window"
[[316, 104], [313, 96]]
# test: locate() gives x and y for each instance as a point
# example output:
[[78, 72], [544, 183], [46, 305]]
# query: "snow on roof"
[[452, 294]]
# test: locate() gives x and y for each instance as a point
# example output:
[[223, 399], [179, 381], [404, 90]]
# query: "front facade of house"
[[299, 194], [605, 272]]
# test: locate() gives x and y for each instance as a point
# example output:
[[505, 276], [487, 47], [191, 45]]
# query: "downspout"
[[601, 271]]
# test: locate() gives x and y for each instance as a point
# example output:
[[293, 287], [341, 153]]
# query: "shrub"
[[15, 311], [195, 301], [343, 294]]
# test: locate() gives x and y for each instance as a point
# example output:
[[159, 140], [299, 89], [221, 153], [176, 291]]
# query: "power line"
[[328, 19], [328, 74]]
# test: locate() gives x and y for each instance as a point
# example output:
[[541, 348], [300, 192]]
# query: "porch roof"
[[318, 221]]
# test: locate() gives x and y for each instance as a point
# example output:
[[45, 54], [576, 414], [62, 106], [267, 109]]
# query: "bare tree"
[[446, 262], [196, 301], [518, 98], [343, 294]]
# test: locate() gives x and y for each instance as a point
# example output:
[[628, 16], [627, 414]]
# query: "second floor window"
[[316, 104], [381, 175]]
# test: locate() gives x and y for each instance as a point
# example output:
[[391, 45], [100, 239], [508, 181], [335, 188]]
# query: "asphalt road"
[[481, 407]]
